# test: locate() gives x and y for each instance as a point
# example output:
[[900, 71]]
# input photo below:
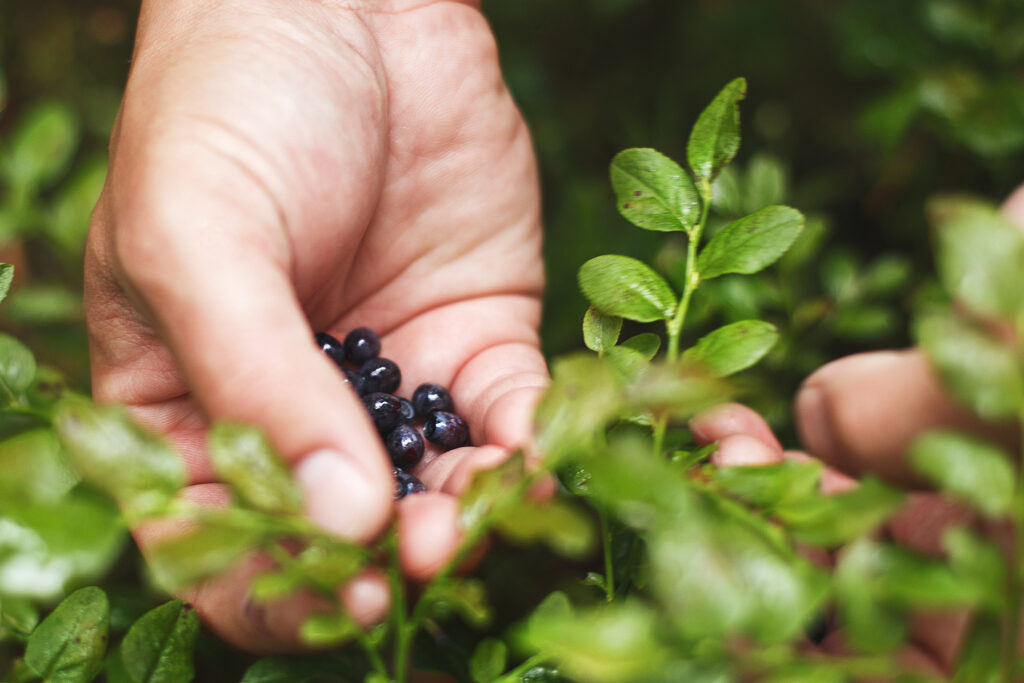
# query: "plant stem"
[[513, 676], [1011, 632], [403, 634], [609, 569]]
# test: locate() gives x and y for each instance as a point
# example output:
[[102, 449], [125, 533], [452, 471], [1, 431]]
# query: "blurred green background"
[[858, 111]]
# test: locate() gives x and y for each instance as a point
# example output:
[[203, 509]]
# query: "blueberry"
[[445, 429], [353, 378], [332, 347], [408, 412], [380, 374], [430, 397], [405, 446], [384, 410], [362, 344], [817, 628], [406, 484]]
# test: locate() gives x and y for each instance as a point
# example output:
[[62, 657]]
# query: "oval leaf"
[[715, 137], [159, 646], [967, 469], [17, 366], [244, 458], [43, 145], [116, 455], [751, 243], [645, 343], [68, 646], [626, 287], [6, 277], [734, 347], [653, 192], [600, 331], [488, 660]]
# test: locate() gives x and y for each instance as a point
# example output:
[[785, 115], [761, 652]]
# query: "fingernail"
[[340, 497], [814, 423]]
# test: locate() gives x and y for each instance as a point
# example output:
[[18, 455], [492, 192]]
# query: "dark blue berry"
[[380, 374], [332, 347], [384, 410], [408, 412], [405, 446], [817, 628], [445, 429], [430, 397], [362, 344], [406, 484], [353, 378]]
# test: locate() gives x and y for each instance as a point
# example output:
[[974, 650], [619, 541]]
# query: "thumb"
[[220, 296]]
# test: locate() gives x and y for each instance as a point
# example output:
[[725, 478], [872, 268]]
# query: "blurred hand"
[[284, 168], [860, 414]]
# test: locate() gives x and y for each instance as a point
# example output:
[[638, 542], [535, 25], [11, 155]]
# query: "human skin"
[[278, 169]]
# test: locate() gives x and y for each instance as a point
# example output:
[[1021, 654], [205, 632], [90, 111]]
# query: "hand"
[[284, 168]]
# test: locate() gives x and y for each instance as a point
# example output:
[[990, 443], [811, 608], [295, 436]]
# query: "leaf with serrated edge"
[[600, 331], [733, 347], [653, 192], [159, 646], [715, 137], [751, 243], [626, 287], [68, 646]]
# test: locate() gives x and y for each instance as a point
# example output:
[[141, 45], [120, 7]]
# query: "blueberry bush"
[[649, 564]]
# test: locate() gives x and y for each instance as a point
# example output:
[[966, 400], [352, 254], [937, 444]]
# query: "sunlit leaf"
[[751, 243], [967, 469], [43, 145], [465, 597], [245, 459], [769, 485], [653, 192], [327, 630], [17, 368], [212, 546], [645, 343], [733, 347], [600, 331], [834, 520], [488, 660], [625, 287], [715, 137], [562, 526]]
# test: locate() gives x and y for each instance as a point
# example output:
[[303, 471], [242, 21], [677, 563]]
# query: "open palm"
[[284, 168]]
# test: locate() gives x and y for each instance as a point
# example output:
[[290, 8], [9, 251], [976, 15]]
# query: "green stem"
[[609, 569], [1011, 632], [403, 634], [675, 325], [513, 676]]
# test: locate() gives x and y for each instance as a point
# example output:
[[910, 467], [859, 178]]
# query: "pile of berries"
[[376, 380]]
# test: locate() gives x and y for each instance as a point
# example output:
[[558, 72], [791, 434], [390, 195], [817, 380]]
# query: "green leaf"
[[677, 389], [304, 669], [766, 183], [628, 362], [17, 368], [69, 221], [45, 305], [327, 630], [615, 642], [835, 520], [159, 646], [114, 454], [562, 526], [271, 586], [465, 597], [967, 469], [734, 347], [6, 277], [751, 243], [18, 616], [43, 145], [46, 546], [645, 343], [68, 646], [980, 257], [853, 321], [978, 562], [245, 459], [979, 656], [653, 192], [625, 287], [33, 467], [886, 276], [600, 331], [870, 624], [489, 489], [715, 137], [768, 485], [488, 660], [978, 368], [211, 547]]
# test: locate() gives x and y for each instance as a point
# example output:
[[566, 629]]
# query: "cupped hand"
[[284, 168]]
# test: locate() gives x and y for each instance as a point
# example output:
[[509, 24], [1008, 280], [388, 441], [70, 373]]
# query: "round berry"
[[380, 374], [362, 344], [405, 446], [445, 429], [406, 484], [384, 410], [332, 347], [353, 378], [430, 397], [408, 412]]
